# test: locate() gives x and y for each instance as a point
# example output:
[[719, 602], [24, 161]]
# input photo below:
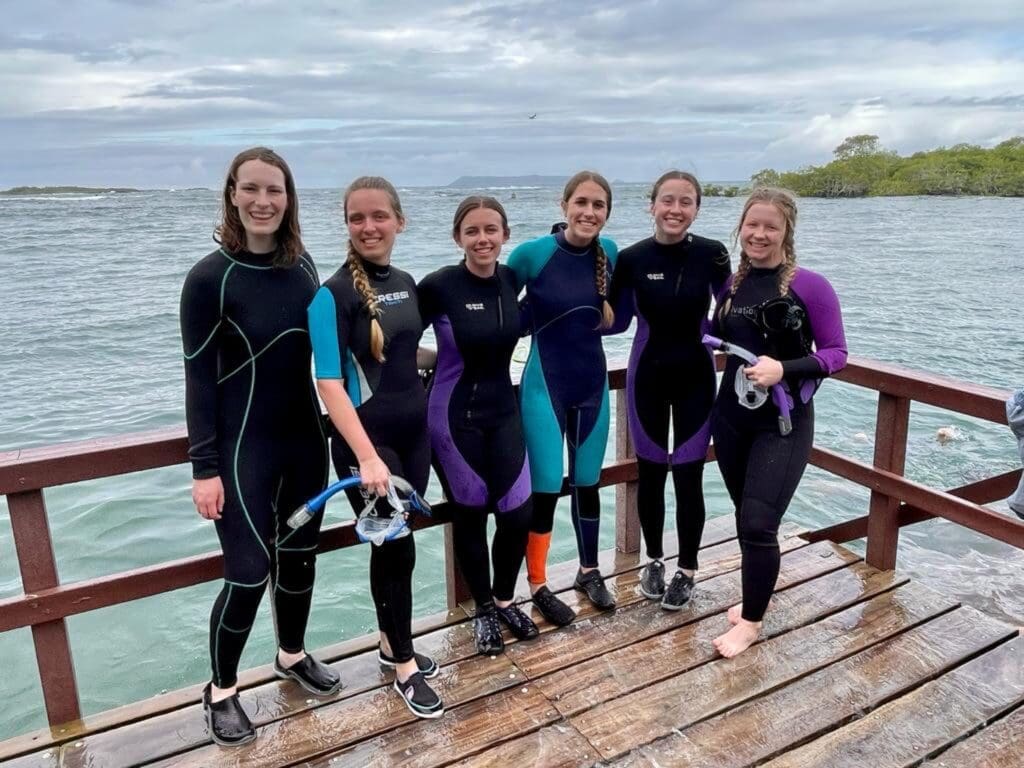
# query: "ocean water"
[[89, 288]]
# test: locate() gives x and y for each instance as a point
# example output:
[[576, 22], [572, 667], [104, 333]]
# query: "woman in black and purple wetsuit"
[[789, 317], [475, 428]]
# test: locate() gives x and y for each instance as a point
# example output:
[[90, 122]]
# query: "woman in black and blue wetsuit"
[[475, 428], [564, 387], [255, 436], [788, 317], [668, 281], [365, 326]]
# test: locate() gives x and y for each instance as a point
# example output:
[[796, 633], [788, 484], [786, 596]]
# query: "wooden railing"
[[46, 603]]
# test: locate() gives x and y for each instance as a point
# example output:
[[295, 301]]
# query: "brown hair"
[[354, 262], [600, 257], [677, 176], [472, 203], [231, 234], [784, 202]]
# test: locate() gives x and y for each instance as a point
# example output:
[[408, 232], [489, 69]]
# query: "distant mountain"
[[482, 182]]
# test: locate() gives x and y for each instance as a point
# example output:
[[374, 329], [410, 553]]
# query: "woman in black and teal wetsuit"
[[365, 326], [475, 427], [256, 440], [668, 281], [564, 387], [788, 317]]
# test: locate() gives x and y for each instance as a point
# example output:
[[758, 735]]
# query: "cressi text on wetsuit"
[[254, 421], [391, 405], [564, 387], [762, 468], [669, 287], [475, 428]]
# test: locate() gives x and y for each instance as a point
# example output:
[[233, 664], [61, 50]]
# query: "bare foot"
[[735, 614], [737, 639]]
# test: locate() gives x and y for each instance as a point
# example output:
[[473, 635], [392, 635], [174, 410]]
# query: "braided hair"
[[600, 257]]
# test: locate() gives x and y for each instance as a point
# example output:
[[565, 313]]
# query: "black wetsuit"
[[669, 288], [762, 468], [392, 408], [254, 421], [475, 428]]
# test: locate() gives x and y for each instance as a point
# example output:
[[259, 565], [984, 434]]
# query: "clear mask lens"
[[749, 394]]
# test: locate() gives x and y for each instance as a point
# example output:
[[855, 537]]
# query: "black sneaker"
[[652, 580], [678, 593], [319, 679], [553, 609], [487, 631], [521, 625], [426, 665], [419, 697], [229, 725], [592, 582]]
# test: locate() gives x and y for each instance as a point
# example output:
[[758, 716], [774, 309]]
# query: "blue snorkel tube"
[[778, 393], [370, 526]]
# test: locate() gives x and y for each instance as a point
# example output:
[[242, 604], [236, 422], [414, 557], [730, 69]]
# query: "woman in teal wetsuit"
[[564, 388]]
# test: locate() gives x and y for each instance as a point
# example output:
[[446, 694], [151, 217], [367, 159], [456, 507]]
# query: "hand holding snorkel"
[[402, 500], [750, 394]]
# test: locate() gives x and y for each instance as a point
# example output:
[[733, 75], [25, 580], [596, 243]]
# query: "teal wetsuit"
[[564, 388]]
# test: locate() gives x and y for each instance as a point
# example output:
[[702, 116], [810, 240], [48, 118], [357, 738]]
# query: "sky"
[[155, 93]]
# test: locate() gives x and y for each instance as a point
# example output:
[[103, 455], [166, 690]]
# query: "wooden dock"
[[857, 667]]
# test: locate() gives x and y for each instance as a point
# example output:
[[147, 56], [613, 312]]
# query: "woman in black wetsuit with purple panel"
[[788, 317]]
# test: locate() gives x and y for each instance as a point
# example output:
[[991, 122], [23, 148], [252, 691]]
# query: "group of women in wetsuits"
[[254, 316]]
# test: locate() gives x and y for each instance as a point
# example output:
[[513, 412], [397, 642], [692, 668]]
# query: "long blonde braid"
[[600, 257]]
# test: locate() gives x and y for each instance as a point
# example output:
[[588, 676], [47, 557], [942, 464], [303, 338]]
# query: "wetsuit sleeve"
[[200, 323], [716, 321], [826, 320], [327, 334], [429, 301], [720, 268], [620, 296], [519, 262]]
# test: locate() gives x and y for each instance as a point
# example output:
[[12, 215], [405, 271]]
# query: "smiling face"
[[372, 224], [762, 234], [675, 206], [586, 211], [259, 194], [481, 234]]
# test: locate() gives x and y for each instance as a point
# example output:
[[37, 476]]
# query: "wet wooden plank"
[[461, 733], [909, 729], [47, 758], [555, 746], [338, 724], [620, 725], [1000, 745], [583, 640], [576, 688], [769, 725]]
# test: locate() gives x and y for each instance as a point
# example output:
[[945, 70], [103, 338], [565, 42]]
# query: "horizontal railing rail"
[[895, 502]]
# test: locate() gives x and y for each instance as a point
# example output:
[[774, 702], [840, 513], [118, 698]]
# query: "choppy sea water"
[[89, 288]]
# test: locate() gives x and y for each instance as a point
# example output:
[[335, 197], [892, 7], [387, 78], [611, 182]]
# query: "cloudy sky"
[[161, 93]]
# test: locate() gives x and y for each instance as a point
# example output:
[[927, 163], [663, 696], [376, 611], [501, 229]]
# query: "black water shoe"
[[487, 631], [592, 583], [426, 665], [652, 580], [319, 679], [521, 625], [678, 593], [419, 697], [229, 725], [553, 609]]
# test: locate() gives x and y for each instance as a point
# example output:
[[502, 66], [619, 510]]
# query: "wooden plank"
[[891, 425], [554, 746], [338, 724], [627, 521], [462, 732], [916, 726], [1000, 745], [771, 724], [604, 633], [620, 725], [574, 689]]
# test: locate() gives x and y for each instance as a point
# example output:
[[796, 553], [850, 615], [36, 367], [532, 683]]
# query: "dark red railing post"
[[890, 455], [455, 585], [627, 522], [39, 571]]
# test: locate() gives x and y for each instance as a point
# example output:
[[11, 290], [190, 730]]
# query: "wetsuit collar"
[[565, 245], [255, 259], [376, 271], [764, 271], [476, 277]]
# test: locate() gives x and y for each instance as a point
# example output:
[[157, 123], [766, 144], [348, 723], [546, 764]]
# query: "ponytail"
[[601, 278], [361, 281]]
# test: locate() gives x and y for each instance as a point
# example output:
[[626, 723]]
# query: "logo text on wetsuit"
[[655, 275], [396, 297], [475, 307]]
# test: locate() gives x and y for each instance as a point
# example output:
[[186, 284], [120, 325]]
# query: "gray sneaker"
[[678, 593], [652, 580]]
